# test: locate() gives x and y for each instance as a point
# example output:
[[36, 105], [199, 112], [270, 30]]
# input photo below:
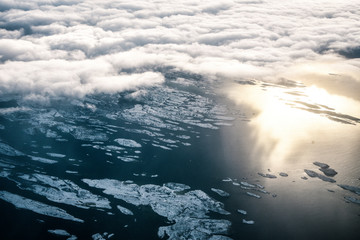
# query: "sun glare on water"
[[289, 117]]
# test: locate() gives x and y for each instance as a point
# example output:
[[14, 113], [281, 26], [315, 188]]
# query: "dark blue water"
[[187, 135]]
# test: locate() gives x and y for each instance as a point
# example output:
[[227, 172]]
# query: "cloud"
[[71, 47], [54, 78]]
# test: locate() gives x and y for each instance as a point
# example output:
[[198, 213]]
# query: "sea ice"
[[161, 146], [9, 151], [267, 175], [5, 165], [126, 159], [227, 180], [220, 192], [81, 133], [56, 155], [127, 143], [243, 212], [328, 171], [113, 148], [187, 209], [352, 199], [219, 237], [321, 165], [190, 228], [37, 207], [170, 141], [43, 160], [253, 195], [223, 124], [248, 222], [185, 137], [52, 134], [350, 188], [73, 237], [262, 191], [61, 191], [177, 187], [125, 210], [63, 140], [313, 174], [246, 184], [98, 236], [60, 232]]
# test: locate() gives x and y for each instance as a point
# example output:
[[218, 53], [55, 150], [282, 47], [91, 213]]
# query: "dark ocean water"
[[64, 166]]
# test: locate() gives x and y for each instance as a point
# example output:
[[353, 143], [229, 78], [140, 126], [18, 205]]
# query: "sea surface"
[[186, 159]]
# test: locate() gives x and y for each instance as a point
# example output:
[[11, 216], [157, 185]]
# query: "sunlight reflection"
[[289, 120]]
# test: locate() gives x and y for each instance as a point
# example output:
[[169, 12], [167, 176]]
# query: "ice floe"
[[352, 199], [350, 188], [98, 236], [313, 174], [127, 143], [191, 228], [321, 165], [60, 191], [9, 151], [325, 168], [59, 232], [220, 192], [243, 212], [227, 180], [219, 237], [176, 202], [248, 221], [72, 237], [253, 195], [127, 159], [328, 171], [267, 175], [161, 146], [248, 185], [124, 210], [56, 155], [37, 207], [177, 187], [186, 137], [81, 133], [43, 160]]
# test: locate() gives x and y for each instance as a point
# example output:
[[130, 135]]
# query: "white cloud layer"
[[74, 48]]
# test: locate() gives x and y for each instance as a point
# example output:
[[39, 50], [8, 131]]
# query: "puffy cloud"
[[73, 48], [55, 78]]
